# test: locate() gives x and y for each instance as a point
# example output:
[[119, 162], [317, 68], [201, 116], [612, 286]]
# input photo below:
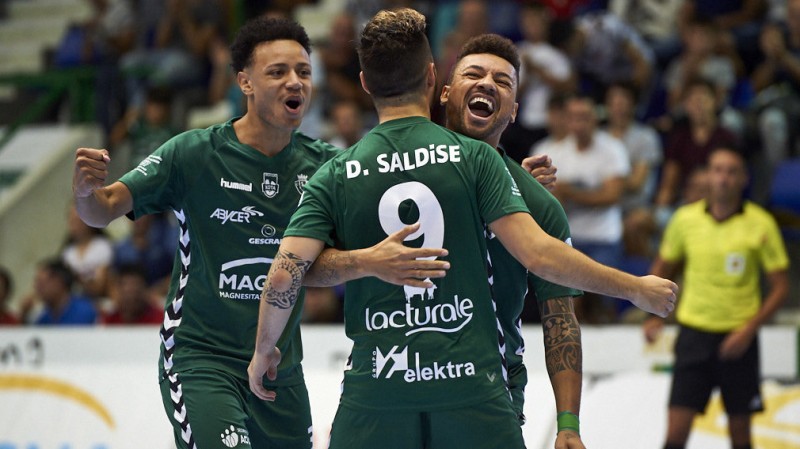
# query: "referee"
[[723, 244]]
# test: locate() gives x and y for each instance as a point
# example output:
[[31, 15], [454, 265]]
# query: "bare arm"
[[97, 205], [389, 261], [737, 342], [639, 174], [653, 325], [562, 352], [670, 179], [278, 298], [609, 193], [541, 167], [557, 262], [564, 359]]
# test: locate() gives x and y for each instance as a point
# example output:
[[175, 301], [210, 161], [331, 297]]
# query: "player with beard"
[[480, 102], [426, 366]]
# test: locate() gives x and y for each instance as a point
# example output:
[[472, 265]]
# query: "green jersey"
[[416, 349], [510, 278], [233, 204]]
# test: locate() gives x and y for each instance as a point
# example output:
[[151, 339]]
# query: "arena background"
[[96, 388]]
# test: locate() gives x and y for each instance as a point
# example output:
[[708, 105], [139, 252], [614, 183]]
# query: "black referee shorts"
[[698, 370]]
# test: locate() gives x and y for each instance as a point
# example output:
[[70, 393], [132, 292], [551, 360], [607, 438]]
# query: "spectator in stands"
[[776, 81], [592, 168], [151, 244], [699, 59], [545, 70], [110, 33], [53, 289], [144, 129], [178, 57], [132, 300], [557, 126], [656, 21], [689, 143], [348, 124], [643, 146], [340, 62], [7, 318], [724, 244], [88, 253], [606, 50], [739, 20]]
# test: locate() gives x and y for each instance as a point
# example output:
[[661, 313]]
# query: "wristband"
[[568, 421]]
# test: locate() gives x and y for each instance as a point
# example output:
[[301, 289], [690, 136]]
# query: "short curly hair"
[[394, 52], [260, 30], [492, 44]]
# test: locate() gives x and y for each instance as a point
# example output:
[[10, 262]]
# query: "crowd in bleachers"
[[654, 84]]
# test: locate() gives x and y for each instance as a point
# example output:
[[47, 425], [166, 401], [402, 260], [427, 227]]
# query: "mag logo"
[[243, 278]]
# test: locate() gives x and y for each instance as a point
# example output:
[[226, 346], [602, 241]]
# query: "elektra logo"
[[416, 373], [238, 278], [236, 216], [236, 185], [445, 317]]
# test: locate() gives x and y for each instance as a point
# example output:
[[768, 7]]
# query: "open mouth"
[[481, 107], [293, 104]]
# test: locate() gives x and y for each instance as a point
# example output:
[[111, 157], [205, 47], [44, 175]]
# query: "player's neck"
[[394, 112], [267, 139]]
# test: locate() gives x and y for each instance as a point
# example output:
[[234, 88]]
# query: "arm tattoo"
[[296, 267], [562, 336], [331, 268]]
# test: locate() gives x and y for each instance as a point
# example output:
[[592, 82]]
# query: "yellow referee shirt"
[[723, 262]]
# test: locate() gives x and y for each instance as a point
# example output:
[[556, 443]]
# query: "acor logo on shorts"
[[233, 436]]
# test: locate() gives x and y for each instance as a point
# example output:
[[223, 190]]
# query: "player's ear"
[[243, 80], [445, 95], [514, 112], [363, 82], [431, 74]]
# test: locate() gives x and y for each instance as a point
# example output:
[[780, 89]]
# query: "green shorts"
[[487, 425], [213, 409]]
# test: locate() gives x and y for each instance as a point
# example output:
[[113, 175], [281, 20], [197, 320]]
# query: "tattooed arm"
[[389, 261], [564, 358], [280, 292]]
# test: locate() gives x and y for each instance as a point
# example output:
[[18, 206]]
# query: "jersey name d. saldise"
[[510, 278], [233, 204], [416, 349]]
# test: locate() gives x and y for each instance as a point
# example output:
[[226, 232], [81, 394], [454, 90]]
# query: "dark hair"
[[699, 81], [5, 277], [492, 44], [159, 95], [58, 268], [262, 30], [557, 101], [132, 269], [394, 52], [730, 148], [626, 86]]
